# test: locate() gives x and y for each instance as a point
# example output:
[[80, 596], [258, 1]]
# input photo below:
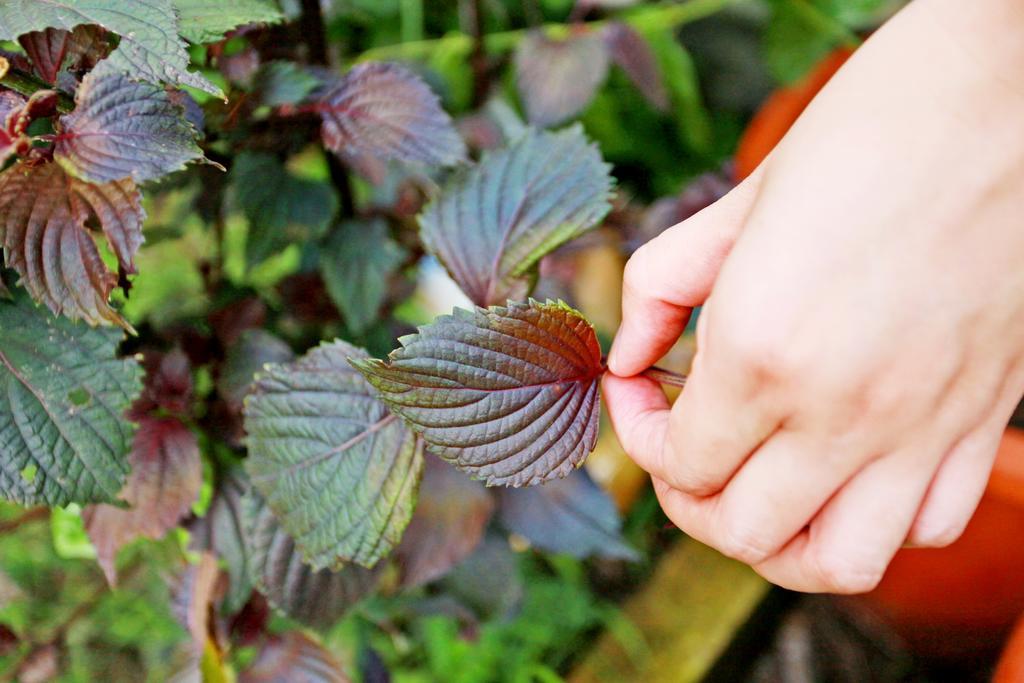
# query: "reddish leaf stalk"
[[672, 379], [27, 85]]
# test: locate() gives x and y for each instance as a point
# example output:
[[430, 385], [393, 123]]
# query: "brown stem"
[[478, 58], [31, 515], [672, 379]]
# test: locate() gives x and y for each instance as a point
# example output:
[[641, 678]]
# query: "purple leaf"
[[507, 394], [631, 52], [193, 593], [492, 225], [122, 128], [166, 473], [221, 531], [571, 515], [449, 522], [388, 112], [314, 597], [557, 77], [79, 49], [43, 214], [293, 657]]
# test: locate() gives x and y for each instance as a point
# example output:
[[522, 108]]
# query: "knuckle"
[[742, 541], [842, 574]]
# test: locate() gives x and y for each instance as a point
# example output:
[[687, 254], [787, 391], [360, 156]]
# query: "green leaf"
[[293, 657], [63, 394], [205, 21], [297, 209], [317, 598], [449, 522], [221, 531], [122, 128], [357, 263], [491, 226], [277, 83], [386, 111], [557, 77], [150, 48], [43, 216], [166, 473], [675, 62], [793, 44], [338, 470], [571, 515], [507, 394], [247, 358]]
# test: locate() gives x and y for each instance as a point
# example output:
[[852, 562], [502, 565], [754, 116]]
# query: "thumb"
[[672, 274]]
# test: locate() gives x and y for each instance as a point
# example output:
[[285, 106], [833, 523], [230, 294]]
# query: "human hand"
[[860, 346]]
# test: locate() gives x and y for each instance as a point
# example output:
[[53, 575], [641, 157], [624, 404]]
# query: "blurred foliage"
[[275, 256]]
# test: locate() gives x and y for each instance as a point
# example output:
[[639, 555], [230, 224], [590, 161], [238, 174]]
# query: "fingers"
[[673, 273], [957, 488], [639, 412], [852, 540]]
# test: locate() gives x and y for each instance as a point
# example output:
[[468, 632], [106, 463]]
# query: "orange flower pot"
[[958, 603], [780, 111]]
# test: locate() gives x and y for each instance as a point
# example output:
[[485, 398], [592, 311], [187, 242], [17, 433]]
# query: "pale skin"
[[861, 345]]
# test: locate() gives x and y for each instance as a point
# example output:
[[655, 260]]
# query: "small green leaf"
[[314, 597], [205, 21], [150, 48], [357, 263], [122, 128], [507, 394], [337, 469], [492, 225], [297, 209], [53, 451]]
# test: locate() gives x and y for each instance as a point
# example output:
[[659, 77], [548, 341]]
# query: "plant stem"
[[30, 515], [645, 20], [478, 60], [663, 376], [27, 85]]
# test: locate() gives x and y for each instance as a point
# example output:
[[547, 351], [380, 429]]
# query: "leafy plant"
[[214, 225]]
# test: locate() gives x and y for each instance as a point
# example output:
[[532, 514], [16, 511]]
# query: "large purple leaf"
[[386, 111], [337, 469], [315, 597], [221, 531], [55, 48], [492, 225], [450, 519], [293, 657], [165, 478], [43, 214], [571, 515], [557, 77], [122, 128], [631, 52], [507, 394]]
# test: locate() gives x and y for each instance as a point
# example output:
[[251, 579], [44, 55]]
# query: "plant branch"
[[644, 20], [478, 59], [27, 85], [315, 33], [30, 515]]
